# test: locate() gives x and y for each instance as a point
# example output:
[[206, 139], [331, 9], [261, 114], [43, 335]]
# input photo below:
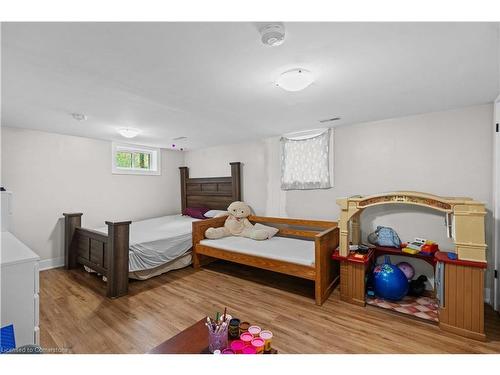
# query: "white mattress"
[[278, 248], [154, 242]]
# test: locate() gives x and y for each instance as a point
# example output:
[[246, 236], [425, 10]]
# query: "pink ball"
[[407, 269]]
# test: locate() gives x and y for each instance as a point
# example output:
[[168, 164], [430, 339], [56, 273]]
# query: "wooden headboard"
[[215, 193]]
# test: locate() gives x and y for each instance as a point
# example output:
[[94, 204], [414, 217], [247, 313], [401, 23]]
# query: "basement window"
[[133, 159], [307, 160]]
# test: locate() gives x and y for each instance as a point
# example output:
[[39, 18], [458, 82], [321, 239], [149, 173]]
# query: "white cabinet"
[[19, 285]]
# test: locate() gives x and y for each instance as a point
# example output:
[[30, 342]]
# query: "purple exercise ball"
[[407, 269]]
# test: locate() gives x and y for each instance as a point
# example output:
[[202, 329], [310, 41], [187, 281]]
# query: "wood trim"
[[296, 222], [117, 258], [287, 232], [259, 262], [184, 172], [72, 221], [325, 272], [211, 192], [236, 180], [462, 332]]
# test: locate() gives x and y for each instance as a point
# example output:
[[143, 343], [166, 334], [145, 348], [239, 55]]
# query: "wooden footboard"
[[105, 254], [324, 272], [327, 271]]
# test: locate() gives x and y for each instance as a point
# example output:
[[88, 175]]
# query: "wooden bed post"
[[71, 222], [117, 258], [236, 184], [184, 176]]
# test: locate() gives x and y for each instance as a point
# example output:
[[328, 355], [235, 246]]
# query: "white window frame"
[[331, 151], [155, 159]]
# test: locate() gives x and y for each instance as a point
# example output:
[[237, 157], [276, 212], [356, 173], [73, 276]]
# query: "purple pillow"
[[196, 212]]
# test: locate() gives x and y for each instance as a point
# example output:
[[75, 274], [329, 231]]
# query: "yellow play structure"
[[464, 218]]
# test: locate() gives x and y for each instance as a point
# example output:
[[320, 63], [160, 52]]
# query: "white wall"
[[50, 174], [444, 153]]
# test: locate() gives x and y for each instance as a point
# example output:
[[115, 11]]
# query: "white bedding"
[[278, 248], [154, 242]]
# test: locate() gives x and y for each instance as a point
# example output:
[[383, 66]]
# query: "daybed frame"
[[108, 254], [324, 272]]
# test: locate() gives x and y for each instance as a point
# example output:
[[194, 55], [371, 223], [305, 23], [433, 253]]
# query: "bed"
[[301, 248], [146, 248]]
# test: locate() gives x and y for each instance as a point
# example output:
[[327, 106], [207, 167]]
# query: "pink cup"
[[228, 351], [237, 346], [246, 337], [258, 344], [248, 350]]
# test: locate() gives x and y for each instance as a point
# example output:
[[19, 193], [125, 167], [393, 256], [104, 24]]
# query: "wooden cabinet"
[[461, 308]]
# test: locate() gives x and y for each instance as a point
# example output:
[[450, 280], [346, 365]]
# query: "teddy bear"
[[237, 224]]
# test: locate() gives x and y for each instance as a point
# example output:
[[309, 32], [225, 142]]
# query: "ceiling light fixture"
[[128, 132], [295, 79]]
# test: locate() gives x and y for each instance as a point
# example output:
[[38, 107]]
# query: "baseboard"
[[48, 264]]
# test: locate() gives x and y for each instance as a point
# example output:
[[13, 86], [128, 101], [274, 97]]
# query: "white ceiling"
[[213, 82]]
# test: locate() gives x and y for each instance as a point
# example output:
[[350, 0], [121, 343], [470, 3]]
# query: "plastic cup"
[[237, 346], [248, 350], [247, 338], [234, 328], [258, 344], [254, 330], [267, 336], [244, 327]]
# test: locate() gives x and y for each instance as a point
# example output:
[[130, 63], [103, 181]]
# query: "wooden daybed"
[[325, 234], [109, 254]]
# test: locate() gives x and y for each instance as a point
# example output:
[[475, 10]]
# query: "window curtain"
[[305, 162]]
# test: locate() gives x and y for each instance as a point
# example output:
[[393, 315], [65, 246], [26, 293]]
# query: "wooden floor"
[[76, 317]]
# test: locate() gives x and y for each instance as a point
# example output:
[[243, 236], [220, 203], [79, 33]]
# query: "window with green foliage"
[[138, 160], [131, 160]]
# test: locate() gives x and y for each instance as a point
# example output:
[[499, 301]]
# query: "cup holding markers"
[[217, 335]]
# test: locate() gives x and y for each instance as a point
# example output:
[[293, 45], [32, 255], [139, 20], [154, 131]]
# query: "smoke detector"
[[79, 116], [272, 34]]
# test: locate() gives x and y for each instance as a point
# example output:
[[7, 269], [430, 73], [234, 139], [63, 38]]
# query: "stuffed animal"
[[417, 287], [237, 224]]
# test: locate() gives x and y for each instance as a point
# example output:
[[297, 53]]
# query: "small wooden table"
[[193, 340]]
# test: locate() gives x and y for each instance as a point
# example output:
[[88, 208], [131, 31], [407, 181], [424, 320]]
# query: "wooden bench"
[[325, 234]]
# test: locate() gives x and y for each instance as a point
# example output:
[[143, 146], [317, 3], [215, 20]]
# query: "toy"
[[389, 281], [407, 269], [417, 287], [384, 236], [237, 224], [410, 251], [452, 256], [429, 248]]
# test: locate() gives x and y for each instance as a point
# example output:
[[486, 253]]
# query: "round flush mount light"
[[272, 34], [128, 132], [295, 79]]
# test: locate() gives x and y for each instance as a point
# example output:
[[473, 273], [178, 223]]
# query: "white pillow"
[[271, 231], [212, 213]]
